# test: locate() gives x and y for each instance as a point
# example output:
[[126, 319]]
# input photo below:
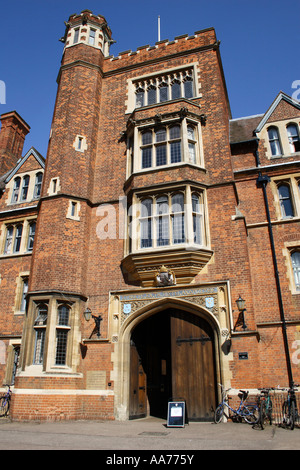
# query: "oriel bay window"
[[165, 145], [169, 219], [52, 332]]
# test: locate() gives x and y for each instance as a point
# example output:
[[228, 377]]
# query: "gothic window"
[[40, 325], [8, 239]]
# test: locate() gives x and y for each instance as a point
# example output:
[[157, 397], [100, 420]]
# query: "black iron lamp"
[[88, 315], [240, 302]]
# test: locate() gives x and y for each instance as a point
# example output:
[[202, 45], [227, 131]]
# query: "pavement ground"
[[143, 434]]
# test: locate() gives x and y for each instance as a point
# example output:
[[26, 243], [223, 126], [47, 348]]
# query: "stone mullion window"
[[165, 87]]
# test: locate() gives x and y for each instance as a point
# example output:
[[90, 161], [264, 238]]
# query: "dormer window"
[[274, 141], [16, 189], [293, 136], [25, 186]]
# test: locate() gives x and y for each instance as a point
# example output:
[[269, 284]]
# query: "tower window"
[[76, 36], [92, 37]]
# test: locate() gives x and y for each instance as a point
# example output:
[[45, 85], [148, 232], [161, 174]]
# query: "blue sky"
[[259, 47]]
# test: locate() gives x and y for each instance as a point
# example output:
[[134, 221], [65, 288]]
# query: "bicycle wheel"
[[289, 414], [4, 406], [262, 415], [219, 413], [251, 414], [269, 412], [292, 415]]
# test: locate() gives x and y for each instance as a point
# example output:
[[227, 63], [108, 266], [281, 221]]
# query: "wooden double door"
[[172, 357]]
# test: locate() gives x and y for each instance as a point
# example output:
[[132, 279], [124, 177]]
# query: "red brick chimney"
[[12, 136]]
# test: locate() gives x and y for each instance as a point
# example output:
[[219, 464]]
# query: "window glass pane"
[[293, 137], [16, 189], [31, 236], [162, 206], [146, 233], [285, 201], [146, 208], [175, 152], [161, 155], [163, 92], [146, 223], [39, 346], [188, 88], [197, 228], [192, 152], [92, 37], [151, 95], [191, 133], [61, 347], [25, 187], [178, 218], [76, 36], [63, 315], [147, 138], [18, 238], [139, 102], [274, 141], [160, 135], [296, 268], [8, 241], [175, 132], [147, 158], [162, 228], [24, 292], [176, 90], [38, 185]]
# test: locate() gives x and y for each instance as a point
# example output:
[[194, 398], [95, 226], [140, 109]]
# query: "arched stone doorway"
[[172, 356]]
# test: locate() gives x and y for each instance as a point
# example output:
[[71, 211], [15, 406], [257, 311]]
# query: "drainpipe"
[[263, 181]]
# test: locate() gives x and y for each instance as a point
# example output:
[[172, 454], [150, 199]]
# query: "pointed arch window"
[[40, 325]]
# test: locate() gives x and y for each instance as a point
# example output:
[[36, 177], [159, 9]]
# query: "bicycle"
[[5, 402], [289, 408], [249, 413], [265, 406]]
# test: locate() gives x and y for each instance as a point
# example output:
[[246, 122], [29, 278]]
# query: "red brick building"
[[157, 211]]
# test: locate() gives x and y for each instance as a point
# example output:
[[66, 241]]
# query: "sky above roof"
[[259, 48]]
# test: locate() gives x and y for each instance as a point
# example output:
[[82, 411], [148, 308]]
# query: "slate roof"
[[242, 129]]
